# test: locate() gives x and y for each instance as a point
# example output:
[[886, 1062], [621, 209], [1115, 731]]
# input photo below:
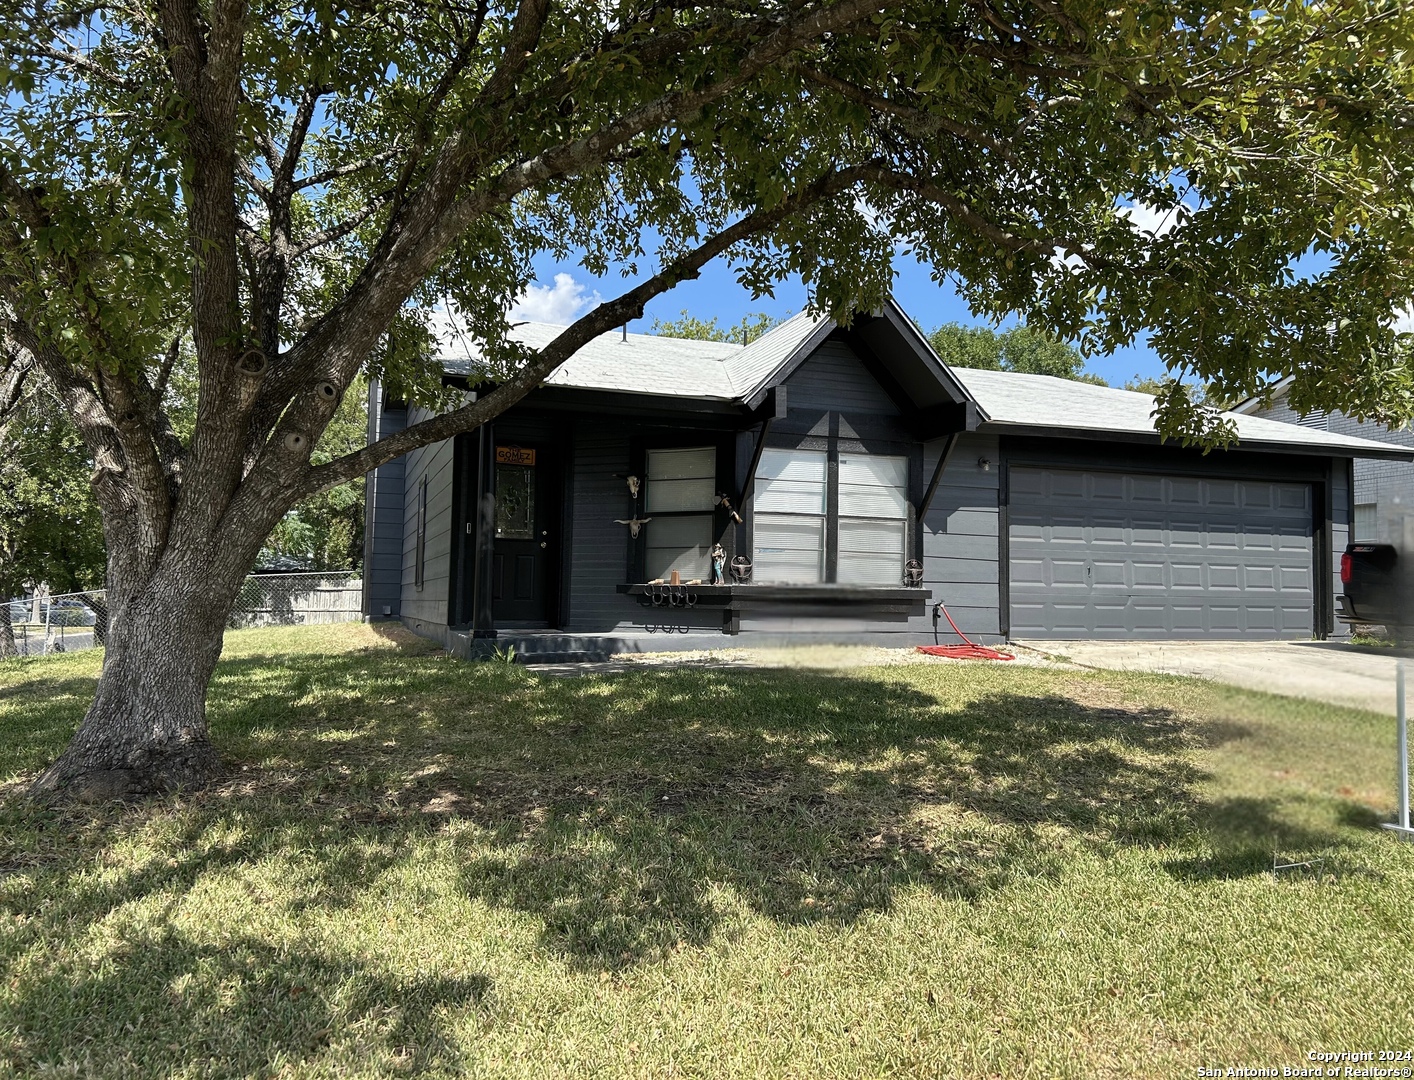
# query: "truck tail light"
[[1346, 566]]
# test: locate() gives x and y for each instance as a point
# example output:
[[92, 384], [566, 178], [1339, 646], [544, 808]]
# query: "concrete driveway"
[[1322, 670]]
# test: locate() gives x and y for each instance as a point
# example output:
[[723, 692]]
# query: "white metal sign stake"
[[1401, 826]]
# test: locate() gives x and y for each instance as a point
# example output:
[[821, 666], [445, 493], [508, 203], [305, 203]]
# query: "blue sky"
[[564, 291]]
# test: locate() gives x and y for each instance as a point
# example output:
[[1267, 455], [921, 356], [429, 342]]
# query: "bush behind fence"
[[67, 622]]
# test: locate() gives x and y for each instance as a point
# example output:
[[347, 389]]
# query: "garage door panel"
[[1189, 620], [1064, 529], [1186, 533], [1148, 533], [1107, 487], [1221, 536], [1149, 575], [1186, 575], [1257, 495], [1024, 482], [1113, 555], [1224, 577], [1184, 492], [1259, 578], [1220, 493], [1072, 617], [1224, 618], [1260, 541], [1109, 530], [1261, 618], [1110, 572]]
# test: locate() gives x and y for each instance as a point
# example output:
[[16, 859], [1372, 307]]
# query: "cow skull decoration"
[[633, 485], [634, 524]]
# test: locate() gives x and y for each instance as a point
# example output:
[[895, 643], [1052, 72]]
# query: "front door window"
[[515, 502]]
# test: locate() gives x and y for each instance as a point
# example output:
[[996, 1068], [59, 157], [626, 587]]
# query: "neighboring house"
[[1034, 507], [1384, 489]]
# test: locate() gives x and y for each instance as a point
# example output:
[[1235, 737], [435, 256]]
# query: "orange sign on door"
[[514, 455]]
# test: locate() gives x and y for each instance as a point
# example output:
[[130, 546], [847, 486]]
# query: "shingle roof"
[[752, 366], [723, 371], [640, 364], [1010, 399]]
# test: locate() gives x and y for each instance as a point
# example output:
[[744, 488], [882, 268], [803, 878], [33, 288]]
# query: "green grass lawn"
[[424, 866]]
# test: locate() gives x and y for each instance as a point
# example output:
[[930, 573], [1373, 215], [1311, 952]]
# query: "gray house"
[[1383, 488], [831, 483]]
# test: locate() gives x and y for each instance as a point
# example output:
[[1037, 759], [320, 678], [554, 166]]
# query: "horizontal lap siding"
[[960, 539], [599, 559], [960, 560], [1387, 485], [1340, 534], [960, 534], [384, 516], [428, 605], [833, 378]]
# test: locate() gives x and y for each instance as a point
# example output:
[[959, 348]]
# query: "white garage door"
[[1114, 555]]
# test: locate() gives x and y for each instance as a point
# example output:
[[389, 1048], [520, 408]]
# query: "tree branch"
[[343, 228], [603, 318], [340, 171]]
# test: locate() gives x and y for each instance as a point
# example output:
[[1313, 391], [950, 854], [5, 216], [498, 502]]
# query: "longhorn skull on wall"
[[633, 485], [633, 523]]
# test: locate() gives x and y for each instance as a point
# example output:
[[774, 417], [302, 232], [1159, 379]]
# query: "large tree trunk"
[[146, 729]]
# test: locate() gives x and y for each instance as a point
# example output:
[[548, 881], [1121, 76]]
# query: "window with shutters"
[[810, 528], [790, 493], [680, 495], [873, 528]]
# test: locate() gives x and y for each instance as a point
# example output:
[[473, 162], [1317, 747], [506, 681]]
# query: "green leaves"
[[1014, 150], [1020, 349]]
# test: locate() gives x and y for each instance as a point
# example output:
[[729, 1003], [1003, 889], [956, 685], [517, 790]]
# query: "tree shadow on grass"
[[242, 1007], [627, 815], [616, 809]]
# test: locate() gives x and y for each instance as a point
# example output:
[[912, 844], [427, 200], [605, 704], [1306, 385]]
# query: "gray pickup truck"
[[1377, 588]]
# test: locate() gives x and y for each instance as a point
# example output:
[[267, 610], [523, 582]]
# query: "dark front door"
[[526, 547]]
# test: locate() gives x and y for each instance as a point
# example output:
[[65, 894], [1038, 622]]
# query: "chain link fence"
[[67, 622]]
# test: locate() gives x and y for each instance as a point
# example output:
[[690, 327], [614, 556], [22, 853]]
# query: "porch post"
[[483, 524]]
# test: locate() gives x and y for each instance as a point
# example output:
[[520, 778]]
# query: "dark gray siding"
[[1388, 485], [1340, 531], [833, 378], [383, 514], [960, 546], [833, 392], [425, 609], [599, 561]]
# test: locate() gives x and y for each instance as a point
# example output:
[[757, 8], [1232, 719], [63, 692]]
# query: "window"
[[680, 496], [873, 519], [798, 537], [789, 520], [420, 553], [1365, 522], [515, 502]]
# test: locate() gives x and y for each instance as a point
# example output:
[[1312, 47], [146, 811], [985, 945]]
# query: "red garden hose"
[[969, 651]]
